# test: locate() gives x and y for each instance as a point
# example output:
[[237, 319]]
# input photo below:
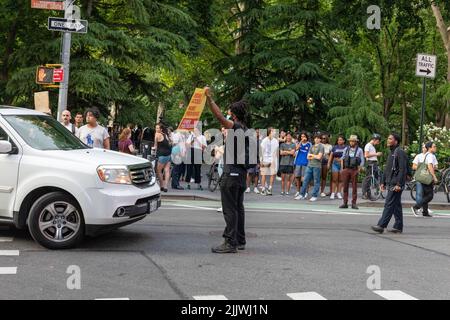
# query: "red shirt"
[[124, 146]]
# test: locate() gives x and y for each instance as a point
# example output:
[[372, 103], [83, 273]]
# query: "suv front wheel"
[[56, 221]]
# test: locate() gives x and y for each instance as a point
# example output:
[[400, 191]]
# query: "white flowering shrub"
[[439, 135]]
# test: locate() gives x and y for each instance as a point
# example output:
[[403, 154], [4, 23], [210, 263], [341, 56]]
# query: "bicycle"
[[372, 183], [214, 177], [443, 176]]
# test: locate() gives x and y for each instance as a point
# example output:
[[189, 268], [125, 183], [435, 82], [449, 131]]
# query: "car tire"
[[56, 221]]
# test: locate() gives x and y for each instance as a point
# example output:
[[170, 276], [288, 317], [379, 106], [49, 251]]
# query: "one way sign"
[[426, 66], [67, 25]]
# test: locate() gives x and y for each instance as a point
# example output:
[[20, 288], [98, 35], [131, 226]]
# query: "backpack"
[[352, 162]]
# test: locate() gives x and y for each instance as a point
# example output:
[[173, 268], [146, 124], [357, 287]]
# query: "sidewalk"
[[439, 202]]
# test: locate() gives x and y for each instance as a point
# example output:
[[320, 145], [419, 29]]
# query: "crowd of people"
[[304, 164]]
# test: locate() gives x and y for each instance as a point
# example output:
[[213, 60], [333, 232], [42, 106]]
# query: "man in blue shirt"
[[301, 159]]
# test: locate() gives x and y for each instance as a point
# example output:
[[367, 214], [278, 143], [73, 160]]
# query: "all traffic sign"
[[67, 25], [426, 66], [58, 75]]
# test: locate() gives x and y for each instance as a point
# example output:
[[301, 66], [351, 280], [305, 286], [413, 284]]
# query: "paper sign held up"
[[42, 102], [193, 111]]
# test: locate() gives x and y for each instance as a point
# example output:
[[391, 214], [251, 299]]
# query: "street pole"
[[65, 59], [424, 91]]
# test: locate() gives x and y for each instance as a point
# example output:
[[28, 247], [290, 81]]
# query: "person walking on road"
[[424, 191], [313, 170], [352, 161], [394, 180], [233, 184]]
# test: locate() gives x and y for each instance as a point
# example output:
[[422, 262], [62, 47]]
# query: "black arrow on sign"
[[428, 71]]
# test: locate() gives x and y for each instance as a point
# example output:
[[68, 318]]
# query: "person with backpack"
[[425, 166], [352, 161], [233, 184], [394, 180]]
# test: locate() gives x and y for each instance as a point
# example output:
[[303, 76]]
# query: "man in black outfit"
[[394, 179], [233, 184]]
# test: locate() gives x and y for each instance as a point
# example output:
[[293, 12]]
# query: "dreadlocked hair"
[[241, 110]]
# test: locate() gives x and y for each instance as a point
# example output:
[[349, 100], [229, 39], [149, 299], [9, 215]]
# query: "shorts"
[[164, 159], [336, 167], [299, 171], [286, 169], [253, 171], [269, 171]]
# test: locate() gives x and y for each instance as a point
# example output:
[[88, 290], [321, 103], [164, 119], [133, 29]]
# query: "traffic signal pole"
[[65, 59]]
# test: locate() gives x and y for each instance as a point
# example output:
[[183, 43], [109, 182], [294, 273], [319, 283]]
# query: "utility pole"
[[65, 60]]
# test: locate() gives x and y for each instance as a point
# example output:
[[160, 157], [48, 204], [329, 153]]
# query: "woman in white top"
[[424, 192], [196, 143]]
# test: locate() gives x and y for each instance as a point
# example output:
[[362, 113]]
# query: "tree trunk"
[[445, 35], [161, 110]]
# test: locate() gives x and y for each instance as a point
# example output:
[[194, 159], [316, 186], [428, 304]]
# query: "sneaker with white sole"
[[256, 190], [248, 190], [415, 212], [323, 195], [220, 209], [332, 196], [264, 192], [296, 194], [313, 199], [306, 195], [299, 197], [339, 195], [287, 193], [269, 191]]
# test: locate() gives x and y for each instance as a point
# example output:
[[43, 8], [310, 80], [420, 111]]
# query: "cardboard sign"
[[193, 111], [42, 102]]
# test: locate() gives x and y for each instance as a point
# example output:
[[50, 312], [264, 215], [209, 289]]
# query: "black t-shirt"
[[149, 134], [240, 149]]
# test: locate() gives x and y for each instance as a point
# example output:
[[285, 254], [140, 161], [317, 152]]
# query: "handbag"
[[422, 174]]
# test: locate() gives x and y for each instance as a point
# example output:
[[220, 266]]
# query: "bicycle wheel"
[[413, 192], [373, 188], [213, 178]]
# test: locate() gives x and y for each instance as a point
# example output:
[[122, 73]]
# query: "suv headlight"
[[114, 174]]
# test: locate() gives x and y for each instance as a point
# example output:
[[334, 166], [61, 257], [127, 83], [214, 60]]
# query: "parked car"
[[62, 190]]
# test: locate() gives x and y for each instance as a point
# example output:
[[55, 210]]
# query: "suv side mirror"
[[5, 147]]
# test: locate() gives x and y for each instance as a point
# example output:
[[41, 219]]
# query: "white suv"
[[63, 190]]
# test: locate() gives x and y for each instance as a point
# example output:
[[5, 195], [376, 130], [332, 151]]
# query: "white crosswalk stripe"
[[112, 299], [212, 297], [306, 296], [8, 270], [394, 295], [9, 252], [6, 239]]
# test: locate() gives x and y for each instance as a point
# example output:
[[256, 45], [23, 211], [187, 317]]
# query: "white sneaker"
[[299, 197], [219, 210], [278, 178], [339, 195], [306, 195], [269, 191], [256, 190], [323, 195], [263, 192], [429, 211], [297, 194], [282, 193], [248, 190], [287, 193], [192, 180], [313, 199], [332, 196]]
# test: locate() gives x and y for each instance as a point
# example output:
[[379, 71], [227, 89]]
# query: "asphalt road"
[[293, 252]]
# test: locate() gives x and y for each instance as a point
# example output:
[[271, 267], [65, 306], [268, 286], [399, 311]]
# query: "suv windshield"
[[44, 133]]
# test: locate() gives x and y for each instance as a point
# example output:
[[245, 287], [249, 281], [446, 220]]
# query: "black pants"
[[194, 167], [232, 189], [428, 195], [392, 207], [177, 172]]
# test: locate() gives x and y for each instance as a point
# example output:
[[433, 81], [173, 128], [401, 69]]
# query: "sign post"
[[425, 68]]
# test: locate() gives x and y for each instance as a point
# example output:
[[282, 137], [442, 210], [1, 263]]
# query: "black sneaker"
[[224, 248], [415, 211], [395, 231], [378, 229], [355, 207], [241, 247], [427, 215], [344, 206]]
